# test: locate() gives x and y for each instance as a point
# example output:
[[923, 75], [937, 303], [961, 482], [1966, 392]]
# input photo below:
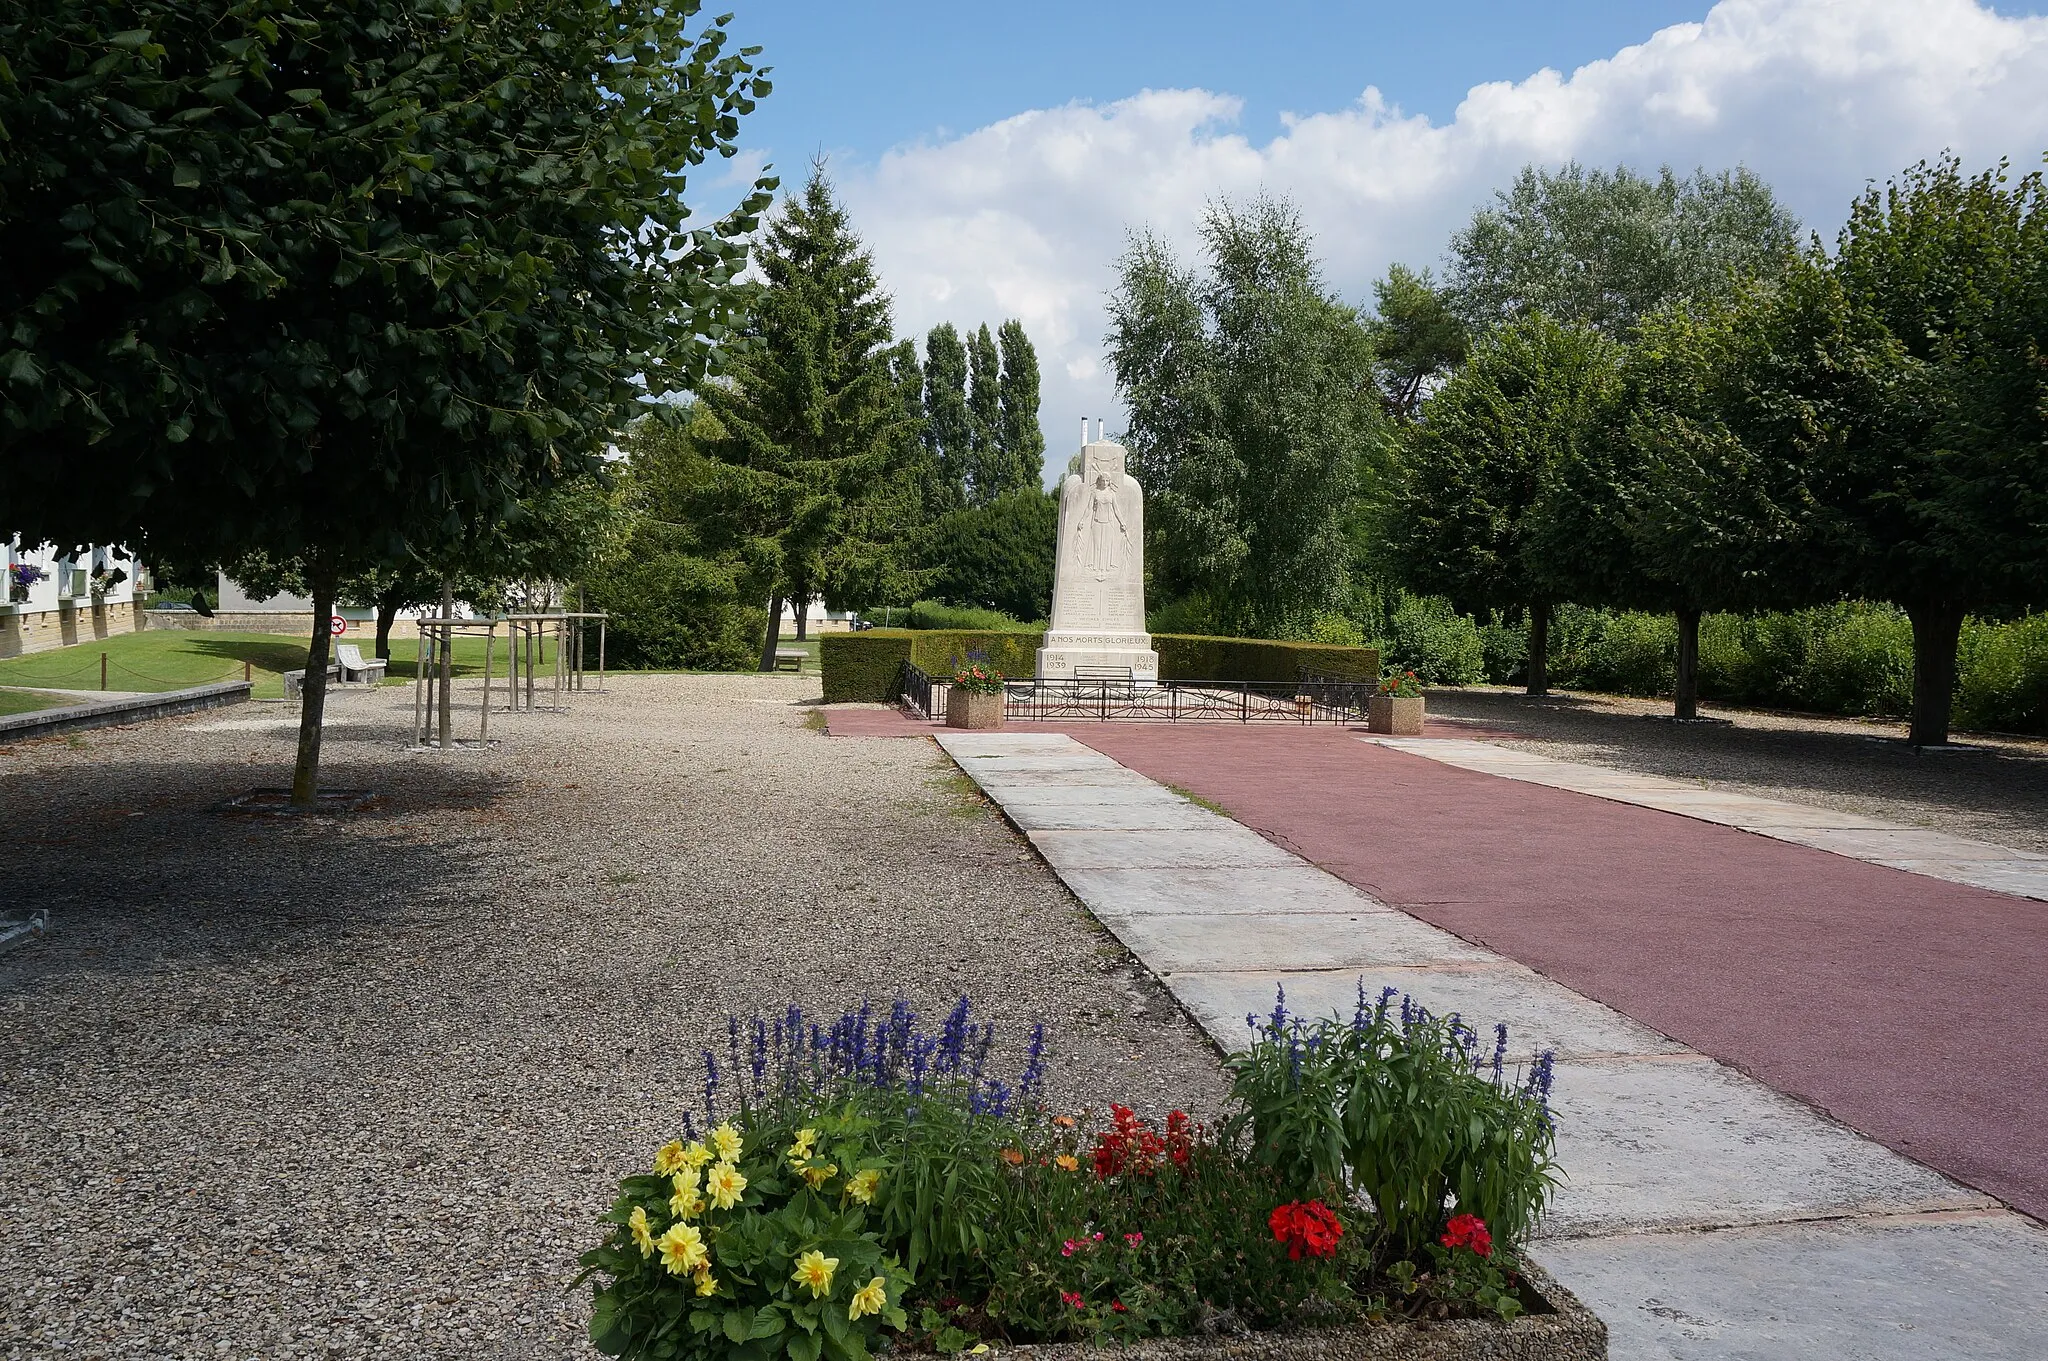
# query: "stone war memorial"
[[1098, 595]]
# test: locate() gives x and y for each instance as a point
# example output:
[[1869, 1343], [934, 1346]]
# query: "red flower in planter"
[[1309, 1228], [1128, 1145], [1468, 1231]]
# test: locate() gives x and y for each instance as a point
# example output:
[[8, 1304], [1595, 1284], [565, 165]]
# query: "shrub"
[[997, 556], [942, 652], [1859, 661], [672, 609], [928, 615], [1407, 1107], [1191, 615], [1633, 654], [2003, 686], [1337, 629], [1434, 641], [1184, 657], [861, 668], [1503, 650]]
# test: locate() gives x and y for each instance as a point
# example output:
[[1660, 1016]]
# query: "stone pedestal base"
[[1098, 656], [974, 712], [1394, 716]]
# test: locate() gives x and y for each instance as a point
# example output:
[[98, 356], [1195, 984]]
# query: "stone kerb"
[[106, 713]]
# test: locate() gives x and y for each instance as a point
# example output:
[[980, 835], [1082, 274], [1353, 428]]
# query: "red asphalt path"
[[1907, 1007]]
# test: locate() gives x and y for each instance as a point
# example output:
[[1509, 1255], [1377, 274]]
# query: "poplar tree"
[[988, 474], [1022, 442], [948, 432]]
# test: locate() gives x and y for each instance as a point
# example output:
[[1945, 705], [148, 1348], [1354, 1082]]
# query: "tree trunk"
[[1539, 648], [447, 717], [803, 615], [774, 637], [387, 615], [313, 694], [1685, 699], [1936, 629]]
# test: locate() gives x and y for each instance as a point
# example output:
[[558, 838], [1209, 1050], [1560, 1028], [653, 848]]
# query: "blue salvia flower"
[[921, 1049], [1407, 1012], [974, 1100], [710, 1086], [689, 1127], [1251, 1019], [860, 1035], [1294, 1055], [1358, 1013], [1033, 1078], [952, 1037], [1277, 1022], [760, 1054], [1541, 1075], [998, 1099], [1379, 1013], [1500, 1047]]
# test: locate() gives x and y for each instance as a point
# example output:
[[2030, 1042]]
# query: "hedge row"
[[862, 667]]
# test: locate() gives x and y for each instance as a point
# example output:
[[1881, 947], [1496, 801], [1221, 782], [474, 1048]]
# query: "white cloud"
[[1027, 216]]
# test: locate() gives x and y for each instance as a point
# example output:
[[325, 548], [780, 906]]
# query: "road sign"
[[337, 625]]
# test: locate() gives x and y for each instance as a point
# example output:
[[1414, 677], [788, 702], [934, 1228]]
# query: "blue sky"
[[861, 78], [995, 157]]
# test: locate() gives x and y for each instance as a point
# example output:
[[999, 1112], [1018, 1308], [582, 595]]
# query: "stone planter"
[[964, 710], [1394, 716], [1563, 1330]]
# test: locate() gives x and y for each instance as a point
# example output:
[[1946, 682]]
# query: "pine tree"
[[809, 411], [1023, 443], [987, 478], [947, 430]]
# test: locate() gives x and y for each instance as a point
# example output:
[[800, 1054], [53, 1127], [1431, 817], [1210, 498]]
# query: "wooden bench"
[[1103, 673], [789, 659], [354, 669]]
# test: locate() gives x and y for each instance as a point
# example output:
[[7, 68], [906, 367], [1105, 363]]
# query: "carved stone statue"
[[1098, 583]]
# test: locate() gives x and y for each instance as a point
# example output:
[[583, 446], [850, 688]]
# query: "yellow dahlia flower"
[[695, 1154], [815, 1269], [727, 1141], [707, 1284], [800, 1151], [682, 1249], [725, 1183], [668, 1157], [643, 1238], [871, 1298], [686, 1204], [861, 1186], [818, 1175]]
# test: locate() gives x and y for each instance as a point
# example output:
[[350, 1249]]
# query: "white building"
[[54, 599]]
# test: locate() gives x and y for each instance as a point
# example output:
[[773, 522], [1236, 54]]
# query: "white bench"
[[349, 658], [295, 681], [789, 658]]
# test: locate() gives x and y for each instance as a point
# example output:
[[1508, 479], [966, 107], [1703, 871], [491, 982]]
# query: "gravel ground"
[[357, 1086], [1991, 788]]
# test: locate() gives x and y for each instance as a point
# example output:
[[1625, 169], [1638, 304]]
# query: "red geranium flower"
[[1468, 1231], [1309, 1228]]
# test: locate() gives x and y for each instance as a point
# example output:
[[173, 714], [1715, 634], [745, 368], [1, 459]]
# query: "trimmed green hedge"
[[861, 667], [1184, 656]]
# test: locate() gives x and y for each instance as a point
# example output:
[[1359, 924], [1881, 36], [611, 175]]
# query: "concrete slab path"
[[1705, 1214]]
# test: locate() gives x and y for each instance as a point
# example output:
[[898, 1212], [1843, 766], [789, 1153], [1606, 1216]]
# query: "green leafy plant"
[[1407, 1108], [1401, 685], [977, 680]]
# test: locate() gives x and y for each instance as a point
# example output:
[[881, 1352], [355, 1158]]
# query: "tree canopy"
[[1252, 408], [341, 282]]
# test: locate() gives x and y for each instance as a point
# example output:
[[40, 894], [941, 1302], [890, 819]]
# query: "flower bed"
[[871, 1186]]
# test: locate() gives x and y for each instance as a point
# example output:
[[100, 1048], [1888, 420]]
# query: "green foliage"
[[1476, 507], [932, 614], [1406, 1107], [861, 668], [1633, 653], [2003, 686], [1020, 439], [1191, 614], [948, 429], [1337, 629], [1252, 410], [997, 556], [1416, 339], [342, 282], [1429, 637], [815, 481], [1603, 250], [1012, 651], [1182, 657]]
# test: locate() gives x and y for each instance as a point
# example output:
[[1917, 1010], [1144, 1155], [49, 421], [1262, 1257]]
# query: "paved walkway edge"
[[1876, 841], [168, 704], [1703, 1216]]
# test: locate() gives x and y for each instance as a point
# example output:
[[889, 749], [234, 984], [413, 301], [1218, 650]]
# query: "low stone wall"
[[107, 712], [24, 631]]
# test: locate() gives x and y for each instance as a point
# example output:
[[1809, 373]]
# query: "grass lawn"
[[173, 659], [28, 701]]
